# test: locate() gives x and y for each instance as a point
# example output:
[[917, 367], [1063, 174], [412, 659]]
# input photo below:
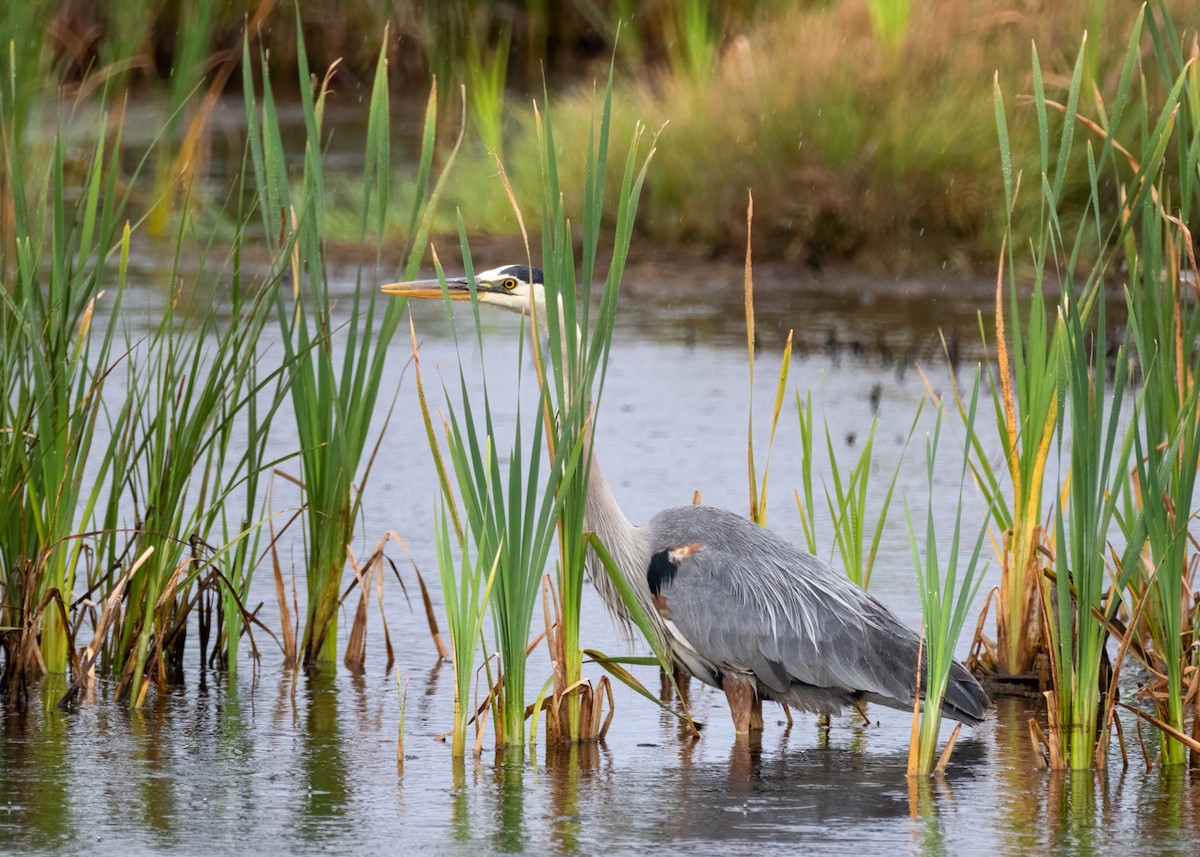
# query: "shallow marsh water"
[[285, 763]]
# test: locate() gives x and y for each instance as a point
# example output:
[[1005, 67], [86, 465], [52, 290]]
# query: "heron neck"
[[622, 540], [602, 514]]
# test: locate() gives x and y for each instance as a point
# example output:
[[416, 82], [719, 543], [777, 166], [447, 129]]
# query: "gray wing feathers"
[[751, 601], [829, 635]]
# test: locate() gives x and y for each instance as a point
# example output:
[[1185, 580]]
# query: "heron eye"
[[510, 283]]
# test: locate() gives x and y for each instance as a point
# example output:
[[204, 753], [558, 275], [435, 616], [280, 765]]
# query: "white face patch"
[[492, 275], [507, 287]]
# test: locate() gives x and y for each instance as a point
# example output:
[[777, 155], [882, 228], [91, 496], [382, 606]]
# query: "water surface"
[[276, 761]]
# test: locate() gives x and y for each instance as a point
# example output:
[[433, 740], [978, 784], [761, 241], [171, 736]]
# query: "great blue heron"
[[734, 604]]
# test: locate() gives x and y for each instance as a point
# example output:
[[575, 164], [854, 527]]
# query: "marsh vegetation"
[[202, 382]]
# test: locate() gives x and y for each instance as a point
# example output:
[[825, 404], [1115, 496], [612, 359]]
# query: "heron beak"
[[456, 288]]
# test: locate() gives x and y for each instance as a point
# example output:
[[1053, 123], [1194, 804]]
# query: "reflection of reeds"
[[402, 694]]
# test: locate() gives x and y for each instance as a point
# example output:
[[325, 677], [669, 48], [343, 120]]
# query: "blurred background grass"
[[864, 127]]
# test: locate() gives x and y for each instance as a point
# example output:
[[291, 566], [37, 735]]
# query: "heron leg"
[[756, 718], [743, 703]]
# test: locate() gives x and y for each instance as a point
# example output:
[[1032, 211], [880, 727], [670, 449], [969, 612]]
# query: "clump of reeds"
[[160, 447], [946, 599], [185, 392], [1164, 316], [1080, 611], [1136, 473], [513, 514], [333, 389], [152, 549], [55, 366], [1077, 608], [64, 259], [1026, 412], [846, 504], [466, 592], [574, 369], [511, 511]]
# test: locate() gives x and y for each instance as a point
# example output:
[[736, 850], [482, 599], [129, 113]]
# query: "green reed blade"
[[946, 598]]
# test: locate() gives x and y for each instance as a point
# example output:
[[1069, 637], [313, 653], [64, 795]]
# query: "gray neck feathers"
[[604, 517], [623, 541]]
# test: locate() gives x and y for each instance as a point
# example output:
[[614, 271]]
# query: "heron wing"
[[746, 599], [789, 618]]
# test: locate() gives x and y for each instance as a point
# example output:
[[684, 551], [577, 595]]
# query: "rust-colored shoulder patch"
[[679, 554], [664, 564]]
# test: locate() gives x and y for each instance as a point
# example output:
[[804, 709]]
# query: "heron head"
[[510, 286]]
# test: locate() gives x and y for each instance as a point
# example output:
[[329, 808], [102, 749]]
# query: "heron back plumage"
[[740, 598]]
